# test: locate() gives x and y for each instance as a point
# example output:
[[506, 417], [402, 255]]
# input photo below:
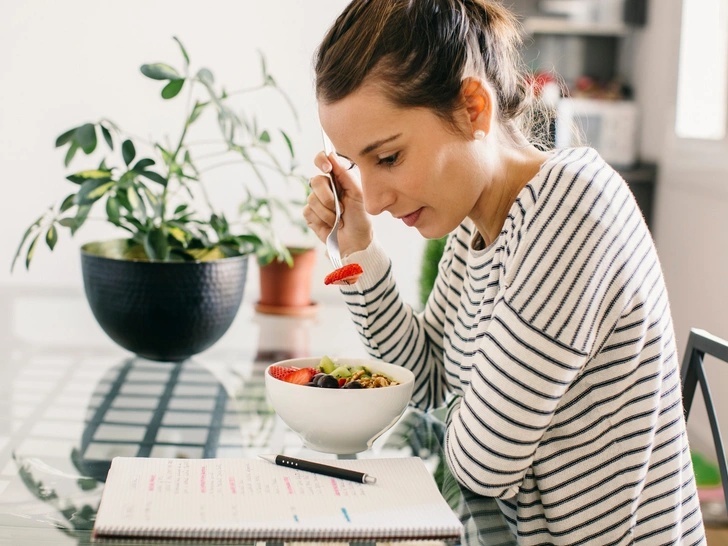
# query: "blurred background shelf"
[[558, 25]]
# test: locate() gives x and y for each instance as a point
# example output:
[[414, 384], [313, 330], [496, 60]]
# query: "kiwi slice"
[[341, 371], [327, 365]]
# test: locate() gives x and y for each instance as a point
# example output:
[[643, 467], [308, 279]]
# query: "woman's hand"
[[355, 227]]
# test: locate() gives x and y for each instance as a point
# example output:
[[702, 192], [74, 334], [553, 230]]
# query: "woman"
[[548, 332]]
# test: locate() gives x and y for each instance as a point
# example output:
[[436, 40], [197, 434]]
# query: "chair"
[[699, 344]]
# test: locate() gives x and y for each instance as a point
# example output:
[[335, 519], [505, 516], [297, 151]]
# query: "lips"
[[411, 219]]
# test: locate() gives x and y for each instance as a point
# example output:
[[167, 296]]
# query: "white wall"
[[691, 216], [65, 63]]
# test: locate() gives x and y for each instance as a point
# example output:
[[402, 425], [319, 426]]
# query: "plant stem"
[[215, 154], [247, 90]]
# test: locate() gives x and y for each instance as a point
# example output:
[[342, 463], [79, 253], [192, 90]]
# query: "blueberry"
[[353, 385], [328, 382], [311, 384], [316, 378]]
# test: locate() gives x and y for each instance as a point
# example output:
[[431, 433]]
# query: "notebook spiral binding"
[[264, 534]]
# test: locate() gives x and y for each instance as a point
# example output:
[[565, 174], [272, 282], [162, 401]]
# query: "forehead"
[[367, 106], [365, 116]]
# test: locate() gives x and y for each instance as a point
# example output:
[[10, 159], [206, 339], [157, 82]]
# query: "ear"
[[478, 104]]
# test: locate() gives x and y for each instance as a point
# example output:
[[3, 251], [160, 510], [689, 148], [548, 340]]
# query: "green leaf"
[[196, 111], [178, 234], [179, 209], [153, 200], [288, 142], [126, 179], [67, 203], [91, 191], [31, 251], [136, 203], [172, 89], [205, 76], [264, 137], [86, 137], [229, 251], [94, 174], [51, 237], [68, 222], [154, 177], [107, 137], [143, 164], [155, 244], [128, 151], [123, 200], [113, 210], [136, 223], [262, 65], [65, 137], [81, 216], [184, 51], [28, 231], [86, 484], [160, 71], [166, 155], [72, 149]]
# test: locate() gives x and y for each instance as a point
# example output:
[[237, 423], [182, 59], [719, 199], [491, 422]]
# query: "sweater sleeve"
[[519, 375], [390, 329]]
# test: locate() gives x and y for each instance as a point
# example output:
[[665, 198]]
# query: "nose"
[[377, 195]]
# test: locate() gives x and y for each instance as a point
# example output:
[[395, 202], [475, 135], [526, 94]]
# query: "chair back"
[[699, 344]]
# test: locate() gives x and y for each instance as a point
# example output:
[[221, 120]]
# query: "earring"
[[479, 134]]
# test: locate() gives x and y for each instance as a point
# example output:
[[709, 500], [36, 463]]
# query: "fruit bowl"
[[338, 420]]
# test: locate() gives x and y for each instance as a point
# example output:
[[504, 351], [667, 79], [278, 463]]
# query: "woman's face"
[[411, 162]]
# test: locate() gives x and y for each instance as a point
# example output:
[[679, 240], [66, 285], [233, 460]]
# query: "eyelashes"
[[389, 161]]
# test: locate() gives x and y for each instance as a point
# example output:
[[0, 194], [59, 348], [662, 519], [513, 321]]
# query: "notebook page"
[[199, 495]]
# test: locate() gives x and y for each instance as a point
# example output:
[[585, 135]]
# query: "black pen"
[[318, 468]]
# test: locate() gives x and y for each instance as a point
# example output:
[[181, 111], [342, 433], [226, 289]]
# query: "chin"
[[431, 232], [436, 230]]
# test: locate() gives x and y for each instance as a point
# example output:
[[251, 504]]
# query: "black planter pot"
[[164, 311]]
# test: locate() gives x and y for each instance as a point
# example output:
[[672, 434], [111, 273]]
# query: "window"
[[702, 93]]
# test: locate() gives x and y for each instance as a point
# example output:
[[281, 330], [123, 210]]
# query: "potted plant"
[[172, 286], [434, 249], [285, 286]]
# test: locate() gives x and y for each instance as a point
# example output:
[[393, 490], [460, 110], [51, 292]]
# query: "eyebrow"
[[374, 145]]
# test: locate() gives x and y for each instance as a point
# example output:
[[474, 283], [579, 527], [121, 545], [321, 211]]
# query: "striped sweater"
[[555, 352]]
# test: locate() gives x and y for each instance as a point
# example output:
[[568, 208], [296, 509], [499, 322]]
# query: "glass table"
[[70, 400]]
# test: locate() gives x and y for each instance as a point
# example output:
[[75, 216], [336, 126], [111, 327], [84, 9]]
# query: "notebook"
[[251, 499]]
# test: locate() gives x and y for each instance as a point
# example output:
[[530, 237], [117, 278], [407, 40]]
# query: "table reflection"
[[67, 412]]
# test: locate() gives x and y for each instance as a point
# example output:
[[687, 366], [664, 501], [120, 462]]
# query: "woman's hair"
[[419, 51]]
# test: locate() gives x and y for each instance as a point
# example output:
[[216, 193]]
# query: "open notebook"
[[251, 499]]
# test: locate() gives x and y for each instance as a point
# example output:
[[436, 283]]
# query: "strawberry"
[[281, 372], [344, 275], [301, 377], [342, 381]]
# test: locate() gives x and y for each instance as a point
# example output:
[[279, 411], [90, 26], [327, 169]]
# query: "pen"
[[318, 468]]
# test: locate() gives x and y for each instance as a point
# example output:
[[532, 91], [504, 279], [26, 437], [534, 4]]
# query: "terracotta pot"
[[286, 290]]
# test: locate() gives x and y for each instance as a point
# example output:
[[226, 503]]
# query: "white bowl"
[[341, 421]]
